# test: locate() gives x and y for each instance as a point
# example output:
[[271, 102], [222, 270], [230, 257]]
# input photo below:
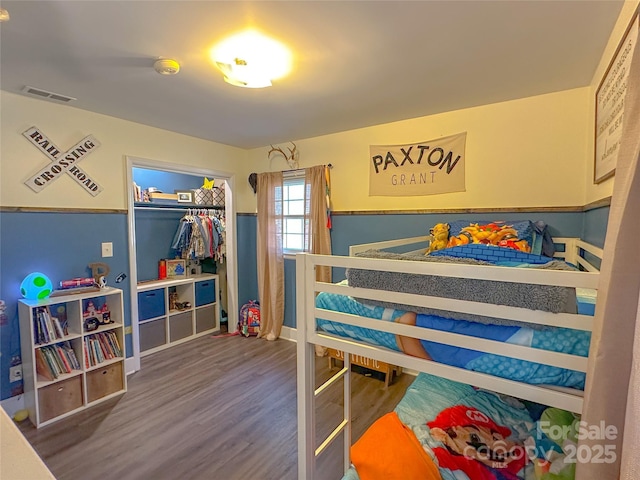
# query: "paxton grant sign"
[[425, 168], [63, 162]]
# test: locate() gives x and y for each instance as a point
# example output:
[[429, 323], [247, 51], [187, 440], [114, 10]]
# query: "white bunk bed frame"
[[307, 337]]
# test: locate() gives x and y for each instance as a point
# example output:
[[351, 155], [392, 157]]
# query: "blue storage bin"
[[151, 304], [205, 292]]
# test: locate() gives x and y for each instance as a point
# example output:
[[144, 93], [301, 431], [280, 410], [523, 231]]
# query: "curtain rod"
[[302, 169]]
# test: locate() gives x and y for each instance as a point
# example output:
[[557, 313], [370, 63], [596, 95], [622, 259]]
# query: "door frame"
[[133, 363]]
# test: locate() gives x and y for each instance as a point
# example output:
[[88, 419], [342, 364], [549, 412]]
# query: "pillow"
[[491, 254], [521, 235], [524, 228], [390, 449]]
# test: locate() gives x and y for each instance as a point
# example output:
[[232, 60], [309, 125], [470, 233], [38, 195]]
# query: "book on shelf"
[[100, 347], [63, 357], [95, 344], [113, 339], [106, 348], [71, 355], [46, 328], [53, 366], [42, 367], [60, 312], [58, 327], [55, 360], [87, 363]]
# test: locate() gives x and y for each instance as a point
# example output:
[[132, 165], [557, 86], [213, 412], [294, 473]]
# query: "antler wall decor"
[[292, 158]]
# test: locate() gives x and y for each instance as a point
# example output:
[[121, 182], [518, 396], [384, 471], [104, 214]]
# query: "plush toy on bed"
[[490, 234], [475, 445], [556, 437], [439, 237]]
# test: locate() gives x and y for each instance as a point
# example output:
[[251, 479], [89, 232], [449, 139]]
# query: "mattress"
[[556, 339], [548, 298], [468, 433]]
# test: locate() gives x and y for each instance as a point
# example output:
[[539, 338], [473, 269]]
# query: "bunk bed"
[[432, 375]]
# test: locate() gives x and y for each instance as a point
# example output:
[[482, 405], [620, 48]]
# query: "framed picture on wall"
[[610, 105], [184, 196]]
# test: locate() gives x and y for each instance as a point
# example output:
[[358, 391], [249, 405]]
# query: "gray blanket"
[[534, 297]]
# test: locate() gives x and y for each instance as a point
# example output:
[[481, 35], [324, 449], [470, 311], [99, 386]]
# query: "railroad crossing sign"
[[63, 162]]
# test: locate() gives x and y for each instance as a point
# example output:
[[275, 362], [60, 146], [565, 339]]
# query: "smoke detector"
[[166, 66]]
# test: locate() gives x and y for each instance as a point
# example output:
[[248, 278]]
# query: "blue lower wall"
[[60, 245], [154, 233], [595, 226], [247, 258]]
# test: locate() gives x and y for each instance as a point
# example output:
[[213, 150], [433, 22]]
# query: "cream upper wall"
[[604, 189], [548, 139], [530, 152], [65, 126]]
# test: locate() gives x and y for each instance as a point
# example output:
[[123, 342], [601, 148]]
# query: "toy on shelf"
[[36, 286], [77, 283], [95, 316], [100, 270], [176, 268]]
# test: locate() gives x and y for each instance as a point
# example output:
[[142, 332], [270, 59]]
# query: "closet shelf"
[[174, 206]]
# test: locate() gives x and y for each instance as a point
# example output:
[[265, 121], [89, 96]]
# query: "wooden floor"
[[213, 408]]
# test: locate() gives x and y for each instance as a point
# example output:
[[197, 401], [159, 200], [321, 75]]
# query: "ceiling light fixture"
[[4, 15], [252, 60], [166, 66]]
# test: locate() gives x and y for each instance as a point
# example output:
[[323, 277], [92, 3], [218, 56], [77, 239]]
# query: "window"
[[293, 208]]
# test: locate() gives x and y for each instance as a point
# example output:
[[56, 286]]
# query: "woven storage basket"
[[202, 196], [218, 196]]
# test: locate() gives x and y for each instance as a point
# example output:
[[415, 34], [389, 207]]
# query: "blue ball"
[[36, 286]]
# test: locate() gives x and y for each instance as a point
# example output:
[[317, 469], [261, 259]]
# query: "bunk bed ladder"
[[307, 454], [345, 425]]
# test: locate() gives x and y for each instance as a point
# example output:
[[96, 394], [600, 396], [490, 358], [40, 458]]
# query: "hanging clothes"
[[197, 246], [182, 237], [200, 235]]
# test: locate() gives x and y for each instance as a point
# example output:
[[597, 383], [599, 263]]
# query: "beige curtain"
[[613, 378], [317, 235], [270, 258]]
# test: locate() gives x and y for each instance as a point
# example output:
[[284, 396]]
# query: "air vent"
[[37, 92]]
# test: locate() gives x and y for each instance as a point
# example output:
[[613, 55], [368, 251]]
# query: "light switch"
[[107, 249]]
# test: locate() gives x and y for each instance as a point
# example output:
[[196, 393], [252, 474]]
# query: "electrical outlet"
[[15, 373], [107, 249]]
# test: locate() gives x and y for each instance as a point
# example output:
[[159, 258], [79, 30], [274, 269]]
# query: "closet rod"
[[164, 209]]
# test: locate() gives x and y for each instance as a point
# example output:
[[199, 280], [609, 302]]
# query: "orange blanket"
[[389, 450]]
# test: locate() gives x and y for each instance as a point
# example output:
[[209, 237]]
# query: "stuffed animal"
[[549, 451], [439, 237], [490, 234]]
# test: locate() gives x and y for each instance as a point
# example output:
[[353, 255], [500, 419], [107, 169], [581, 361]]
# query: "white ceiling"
[[357, 63]]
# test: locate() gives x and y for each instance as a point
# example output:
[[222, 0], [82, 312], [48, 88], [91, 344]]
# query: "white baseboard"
[[12, 404], [288, 333], [130, 366]]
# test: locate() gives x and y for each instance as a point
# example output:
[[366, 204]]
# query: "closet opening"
[[182, 254]]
